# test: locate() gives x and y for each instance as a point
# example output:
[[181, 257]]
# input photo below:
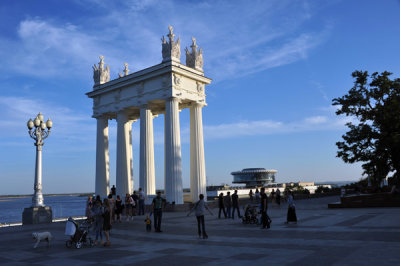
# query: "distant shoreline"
[[47, 195]]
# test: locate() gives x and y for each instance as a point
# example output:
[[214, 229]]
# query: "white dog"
[[43, 236]]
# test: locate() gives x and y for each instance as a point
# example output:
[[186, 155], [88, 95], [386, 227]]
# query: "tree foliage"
[[374, 133]]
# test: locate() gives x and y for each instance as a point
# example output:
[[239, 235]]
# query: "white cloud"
[[316, 120], [238, 38], [326, 122], [68, 124]]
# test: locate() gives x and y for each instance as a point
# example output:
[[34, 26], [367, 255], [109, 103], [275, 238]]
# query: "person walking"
[[118, 208], [128, 207], [257, 194], [135, 203], [157, 206], [113, 191], [228, 203], [89, 205], [141, 201], [199, 209], [291, 214], [235, 205], [111, 202], [278, 197], [97, 212], [264, 208], [107, 221], [273, 193], [251, 195], [221, 205]]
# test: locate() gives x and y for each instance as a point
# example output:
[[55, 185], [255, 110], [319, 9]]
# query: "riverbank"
[[47, 195], [62, 206]]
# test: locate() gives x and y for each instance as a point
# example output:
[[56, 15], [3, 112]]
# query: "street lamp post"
[[38, 134], [38, 212]]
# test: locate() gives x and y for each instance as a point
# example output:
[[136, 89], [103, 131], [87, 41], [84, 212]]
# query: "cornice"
[[169, 67]]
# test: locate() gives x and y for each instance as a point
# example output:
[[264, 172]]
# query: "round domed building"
[[253, 177]]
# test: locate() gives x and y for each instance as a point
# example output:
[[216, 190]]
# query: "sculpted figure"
[[126, 70], [171, 50], [101, 75], [194, 58]]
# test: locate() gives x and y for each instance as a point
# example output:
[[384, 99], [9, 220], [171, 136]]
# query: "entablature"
[[154, 84]]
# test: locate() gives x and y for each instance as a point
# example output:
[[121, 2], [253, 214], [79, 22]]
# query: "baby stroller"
[[78, 233], [250, 214]]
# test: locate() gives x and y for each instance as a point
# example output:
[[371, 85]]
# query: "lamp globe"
[[49, 123], [36, 122], [40, 116], [30, 124]]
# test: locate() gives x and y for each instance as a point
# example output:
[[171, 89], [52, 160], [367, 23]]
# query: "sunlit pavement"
[[322, 236]]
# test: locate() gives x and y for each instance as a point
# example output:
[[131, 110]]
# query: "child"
[[148, 223]]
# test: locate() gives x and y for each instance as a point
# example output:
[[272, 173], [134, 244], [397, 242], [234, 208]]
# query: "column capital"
[[122, 115], [197, 104], [144, 106], [102, 116], [173, 99]]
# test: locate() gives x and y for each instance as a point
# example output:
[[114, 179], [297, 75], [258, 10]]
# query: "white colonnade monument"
[[165, 88]]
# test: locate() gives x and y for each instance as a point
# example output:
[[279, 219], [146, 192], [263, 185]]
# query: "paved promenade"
[[322, 237]]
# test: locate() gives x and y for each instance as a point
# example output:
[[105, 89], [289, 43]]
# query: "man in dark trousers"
[[157, 206], [141, 201], [264, 207], [235, 205], [228, 203], [221, 205]]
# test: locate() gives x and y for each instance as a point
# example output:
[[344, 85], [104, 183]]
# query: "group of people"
[[228, 204], [100, 213], [275, 196], [134, 204], [110, 210], [104, 213]]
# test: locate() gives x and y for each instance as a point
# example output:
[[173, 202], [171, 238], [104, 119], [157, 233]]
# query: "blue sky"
[[275, 65]]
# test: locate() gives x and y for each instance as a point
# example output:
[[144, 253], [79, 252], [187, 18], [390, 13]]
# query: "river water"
[[11, 208]]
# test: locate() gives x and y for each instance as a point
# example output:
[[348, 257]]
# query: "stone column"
[[173, 161], [130, 158], [197, 163], [37, 199], [102, 158], [147, 173], [124, 182]]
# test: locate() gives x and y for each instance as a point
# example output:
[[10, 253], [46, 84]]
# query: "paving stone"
[[169, 251], [322, 237], [105, 255], [356, 220], [177, 260], [248, 256]]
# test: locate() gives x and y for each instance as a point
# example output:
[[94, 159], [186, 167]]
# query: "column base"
[[37, 215]]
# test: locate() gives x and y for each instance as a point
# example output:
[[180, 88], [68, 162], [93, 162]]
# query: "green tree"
[[374, 135]]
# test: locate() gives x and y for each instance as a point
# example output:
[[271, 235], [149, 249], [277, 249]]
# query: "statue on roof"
[[101, 75], [194, 58], [171, 50]]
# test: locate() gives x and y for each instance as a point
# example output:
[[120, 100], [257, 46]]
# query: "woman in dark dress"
[[291, 214], [107, 221]]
